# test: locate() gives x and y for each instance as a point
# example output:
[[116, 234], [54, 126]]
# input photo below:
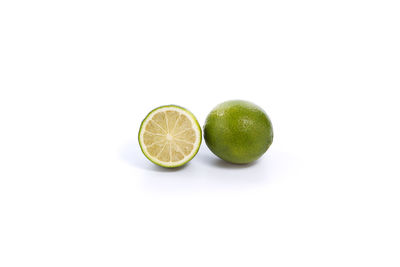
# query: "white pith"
[[195, 127]]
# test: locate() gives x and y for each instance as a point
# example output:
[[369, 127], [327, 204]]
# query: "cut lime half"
[[170, 136]]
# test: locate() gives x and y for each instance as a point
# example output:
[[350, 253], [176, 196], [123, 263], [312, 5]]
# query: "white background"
[[77, 78]]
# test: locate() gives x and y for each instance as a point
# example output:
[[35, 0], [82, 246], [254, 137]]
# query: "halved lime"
[[170, 136]]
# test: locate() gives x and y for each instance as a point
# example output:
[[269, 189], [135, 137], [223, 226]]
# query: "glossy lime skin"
[[238, 131]]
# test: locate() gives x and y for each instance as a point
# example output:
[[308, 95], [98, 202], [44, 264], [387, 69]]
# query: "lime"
[[238, 131], [170, 136]]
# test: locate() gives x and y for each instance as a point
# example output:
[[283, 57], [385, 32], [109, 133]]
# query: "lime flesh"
[[170, 136]]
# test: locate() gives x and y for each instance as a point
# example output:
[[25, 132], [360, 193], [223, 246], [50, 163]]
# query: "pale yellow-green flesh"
[[170, 136]]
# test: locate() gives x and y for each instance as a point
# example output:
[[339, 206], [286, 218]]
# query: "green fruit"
[[170, 136], [238, 131]]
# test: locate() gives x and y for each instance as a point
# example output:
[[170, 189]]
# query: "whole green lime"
[[238, 131]]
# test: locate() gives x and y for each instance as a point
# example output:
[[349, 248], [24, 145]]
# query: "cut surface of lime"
[[170, 136]]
